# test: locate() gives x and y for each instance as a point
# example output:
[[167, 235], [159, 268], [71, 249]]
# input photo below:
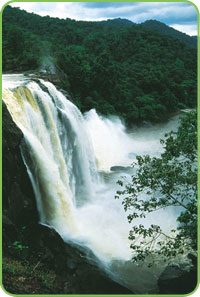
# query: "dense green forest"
[[164, 29], [127, 70]]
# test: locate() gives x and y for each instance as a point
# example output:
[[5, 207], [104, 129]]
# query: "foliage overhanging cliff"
[[131, 71]]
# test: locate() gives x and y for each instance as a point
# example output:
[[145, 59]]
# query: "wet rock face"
[[46, 245], [18, 198], [77, 267]]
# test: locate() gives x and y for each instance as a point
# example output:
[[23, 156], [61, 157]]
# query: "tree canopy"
[[126, 70]]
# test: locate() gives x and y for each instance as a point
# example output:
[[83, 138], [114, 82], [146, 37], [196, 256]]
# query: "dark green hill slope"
[[154, 25], [118, 22], [164, 29], [136, 73]]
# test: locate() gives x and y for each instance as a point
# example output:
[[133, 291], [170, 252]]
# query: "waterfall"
[[110, 140], [68, 157], [56, 150]]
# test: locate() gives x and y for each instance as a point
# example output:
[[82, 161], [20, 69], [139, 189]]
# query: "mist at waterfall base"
[[68, 158]]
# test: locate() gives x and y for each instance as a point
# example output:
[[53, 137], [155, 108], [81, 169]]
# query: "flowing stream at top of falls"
[[68, 158]]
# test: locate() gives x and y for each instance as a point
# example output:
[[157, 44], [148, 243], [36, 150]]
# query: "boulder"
[[177, 280], [121, 169]]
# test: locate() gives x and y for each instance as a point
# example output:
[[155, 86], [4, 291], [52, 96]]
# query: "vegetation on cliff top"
[[131, 71]]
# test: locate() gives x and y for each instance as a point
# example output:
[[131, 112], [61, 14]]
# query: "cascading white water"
[[61, 164], [114, 146], [110, 140], [68, 158]]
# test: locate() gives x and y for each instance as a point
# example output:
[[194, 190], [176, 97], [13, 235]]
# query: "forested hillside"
[[131, 71], [164, 29]]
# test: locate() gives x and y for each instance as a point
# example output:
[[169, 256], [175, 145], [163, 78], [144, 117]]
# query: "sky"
[[179, 15]]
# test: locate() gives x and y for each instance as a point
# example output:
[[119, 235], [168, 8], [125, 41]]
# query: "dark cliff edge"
[[18, 198], [36, 260]]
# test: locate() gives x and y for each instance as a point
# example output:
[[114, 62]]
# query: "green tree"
[[15, 39], [167, 181], [75, 62]]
